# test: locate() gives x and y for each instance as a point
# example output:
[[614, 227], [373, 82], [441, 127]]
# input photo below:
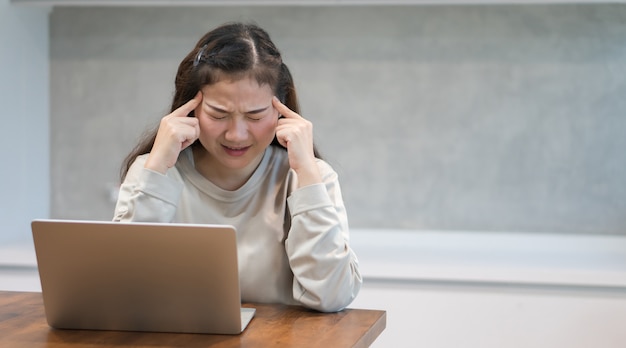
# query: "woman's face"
[[237, 123]]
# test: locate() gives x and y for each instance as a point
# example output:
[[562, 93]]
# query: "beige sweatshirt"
[[292, 243]]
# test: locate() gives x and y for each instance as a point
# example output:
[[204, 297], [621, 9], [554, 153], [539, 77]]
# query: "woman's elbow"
[[330, 303]]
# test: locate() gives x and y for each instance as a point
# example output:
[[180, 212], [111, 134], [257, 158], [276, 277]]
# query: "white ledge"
[[18, 255], [511, 258], [483, 257], [179, 3]]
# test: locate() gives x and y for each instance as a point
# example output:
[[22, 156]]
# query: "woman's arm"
[[146, 195], [326, 271]]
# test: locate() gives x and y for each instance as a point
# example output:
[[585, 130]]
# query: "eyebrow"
[[220, 110]]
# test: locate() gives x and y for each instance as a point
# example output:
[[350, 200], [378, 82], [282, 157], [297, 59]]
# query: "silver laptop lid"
[[139, 276]]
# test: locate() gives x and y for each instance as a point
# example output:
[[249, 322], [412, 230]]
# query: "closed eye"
[[255, 117], [216, 112], [219, 113], [257, 114], [217, 109]]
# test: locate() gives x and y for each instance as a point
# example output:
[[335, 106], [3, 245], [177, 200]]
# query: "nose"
[[237, 130]]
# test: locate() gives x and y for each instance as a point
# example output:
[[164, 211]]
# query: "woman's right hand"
[[176, 132]]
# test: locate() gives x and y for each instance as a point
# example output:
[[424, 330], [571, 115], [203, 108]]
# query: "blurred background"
[[505, 122], [489, 118]]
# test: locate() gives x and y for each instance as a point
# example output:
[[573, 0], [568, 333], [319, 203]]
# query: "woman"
[[234, 150]]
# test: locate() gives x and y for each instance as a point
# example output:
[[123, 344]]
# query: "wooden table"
[[23, 324]]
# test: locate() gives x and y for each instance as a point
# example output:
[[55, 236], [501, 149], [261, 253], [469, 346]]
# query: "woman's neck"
[[225, 178]]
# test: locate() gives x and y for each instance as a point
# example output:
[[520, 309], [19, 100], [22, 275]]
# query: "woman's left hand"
[[295, 133]]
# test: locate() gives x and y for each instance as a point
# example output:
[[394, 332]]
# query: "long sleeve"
[[326, 272], [310, 264], [147, 196]]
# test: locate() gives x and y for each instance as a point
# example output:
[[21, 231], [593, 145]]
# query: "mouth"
[[235, 151]]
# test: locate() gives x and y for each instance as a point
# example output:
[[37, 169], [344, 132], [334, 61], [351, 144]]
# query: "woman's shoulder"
[[279, 160], [277, 155], [138, 164], [326, 170], [137, 169]]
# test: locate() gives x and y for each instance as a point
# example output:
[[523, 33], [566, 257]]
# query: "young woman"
[[234, 150]]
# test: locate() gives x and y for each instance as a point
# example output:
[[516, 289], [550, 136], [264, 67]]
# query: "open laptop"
[[140, 276]]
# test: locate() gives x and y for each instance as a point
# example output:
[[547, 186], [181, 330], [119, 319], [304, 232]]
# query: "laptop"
[[153, 277]]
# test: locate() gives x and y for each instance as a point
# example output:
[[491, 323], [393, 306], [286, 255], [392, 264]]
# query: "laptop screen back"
[[139, 276]]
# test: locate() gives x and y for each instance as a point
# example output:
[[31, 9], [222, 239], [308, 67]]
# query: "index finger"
[[283, 109], [189, 106]]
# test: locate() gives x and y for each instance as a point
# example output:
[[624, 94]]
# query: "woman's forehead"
[[244, 92]]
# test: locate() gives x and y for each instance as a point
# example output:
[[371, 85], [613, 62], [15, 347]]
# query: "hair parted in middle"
[[231, 51]]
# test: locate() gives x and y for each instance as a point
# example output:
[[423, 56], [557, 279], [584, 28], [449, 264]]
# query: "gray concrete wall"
[[493, 118]]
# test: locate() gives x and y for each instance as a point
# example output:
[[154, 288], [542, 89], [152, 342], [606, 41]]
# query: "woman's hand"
[[296, 134], [176, 132]]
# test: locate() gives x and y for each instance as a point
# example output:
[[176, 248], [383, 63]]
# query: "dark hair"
[[233, 51]]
